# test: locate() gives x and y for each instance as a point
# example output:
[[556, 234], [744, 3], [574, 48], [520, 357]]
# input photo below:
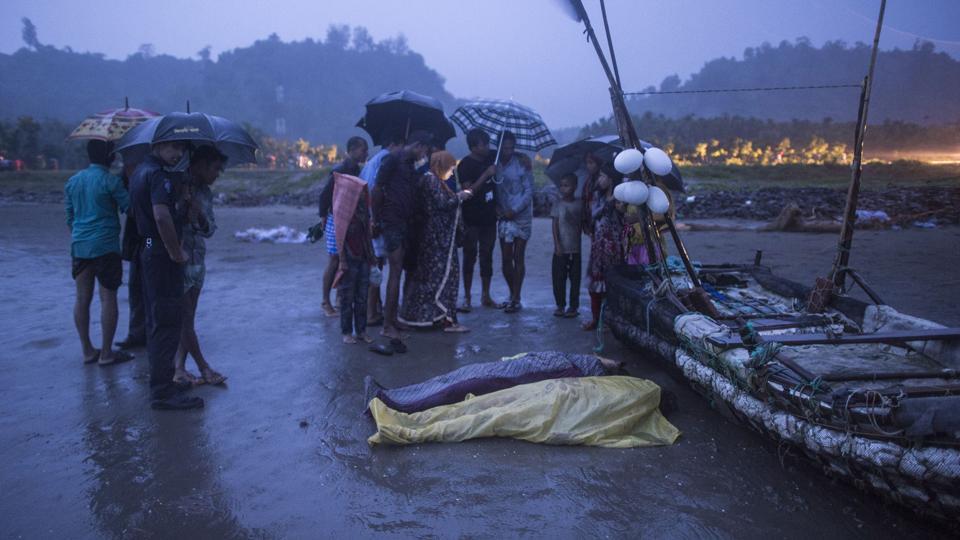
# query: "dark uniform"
[[137, 331], [161, 277]]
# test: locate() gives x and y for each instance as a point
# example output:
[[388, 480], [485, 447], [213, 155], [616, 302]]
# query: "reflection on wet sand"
[[153, 475]]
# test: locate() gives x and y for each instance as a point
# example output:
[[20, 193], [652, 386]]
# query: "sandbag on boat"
[[613, 412], [479, 379]]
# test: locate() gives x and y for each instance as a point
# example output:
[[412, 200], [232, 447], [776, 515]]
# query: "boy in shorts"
[[93, 198]]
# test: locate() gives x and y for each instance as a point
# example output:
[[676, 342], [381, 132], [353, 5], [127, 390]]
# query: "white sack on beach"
[[276, 235]]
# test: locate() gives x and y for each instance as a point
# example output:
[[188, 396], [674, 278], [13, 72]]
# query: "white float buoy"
[[634, 192], [657, 201], [618, 191], [657, 161], [628, 161]]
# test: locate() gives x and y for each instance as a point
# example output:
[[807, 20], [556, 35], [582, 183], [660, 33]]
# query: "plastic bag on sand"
[[614, 412]]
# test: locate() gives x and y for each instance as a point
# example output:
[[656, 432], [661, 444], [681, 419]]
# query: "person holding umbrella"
[[154, 194], [515, 126], [109, 126], [393, 201], [479, 216]]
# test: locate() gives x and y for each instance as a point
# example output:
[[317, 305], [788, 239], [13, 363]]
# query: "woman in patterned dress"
[[431, 298], [606, 239]]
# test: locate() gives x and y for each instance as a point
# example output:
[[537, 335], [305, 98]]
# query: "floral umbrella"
[[111, 124]]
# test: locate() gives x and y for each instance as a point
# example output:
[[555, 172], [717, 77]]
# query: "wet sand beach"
[[281, 451]]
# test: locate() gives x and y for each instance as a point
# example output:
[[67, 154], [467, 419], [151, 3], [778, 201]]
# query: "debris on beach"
[[276, 235]]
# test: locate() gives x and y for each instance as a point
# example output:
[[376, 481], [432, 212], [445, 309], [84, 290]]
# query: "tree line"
[[311, 89]]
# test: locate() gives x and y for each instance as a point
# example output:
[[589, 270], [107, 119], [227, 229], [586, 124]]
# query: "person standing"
[[431, 298], [154, 194], [357, 150], [515, 206], [369, 173], [130, 252], [566, 214], [206, 165], [351, 209], [606, 239], [93, 199], [479, 216], [393, 203]]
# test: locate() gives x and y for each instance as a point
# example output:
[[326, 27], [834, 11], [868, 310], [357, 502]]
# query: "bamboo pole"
[[838, 273]]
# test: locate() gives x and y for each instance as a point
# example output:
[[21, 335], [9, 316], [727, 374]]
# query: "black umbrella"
[[569, 159], [402, 113], [228, 136]]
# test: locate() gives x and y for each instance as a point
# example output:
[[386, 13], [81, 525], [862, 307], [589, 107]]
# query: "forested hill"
[[313, 89], [919, 85]]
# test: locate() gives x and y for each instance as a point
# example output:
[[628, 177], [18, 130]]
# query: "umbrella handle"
[[497, 159]]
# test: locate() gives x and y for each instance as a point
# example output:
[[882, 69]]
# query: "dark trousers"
[[478, 242], [163, 305], [352, 296], [137, 330], [566, 266]]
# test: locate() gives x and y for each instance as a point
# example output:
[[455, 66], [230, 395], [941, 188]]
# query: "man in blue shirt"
[[93, 199], [154, 196]]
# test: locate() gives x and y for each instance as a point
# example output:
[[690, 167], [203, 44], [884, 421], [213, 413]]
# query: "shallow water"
[[281, 451]]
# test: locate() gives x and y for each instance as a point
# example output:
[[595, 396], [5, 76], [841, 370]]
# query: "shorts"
[[193, 276], [108, 269], [379, 251], [511, 230], [330, 234], [394, 237]]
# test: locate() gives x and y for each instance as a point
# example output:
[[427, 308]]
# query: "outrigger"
[[867, 392]]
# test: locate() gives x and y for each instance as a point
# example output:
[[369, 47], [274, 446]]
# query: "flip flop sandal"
[[92, 359], [119, 357], [214, 381], [399, 346], [380, 348], [458, 329]]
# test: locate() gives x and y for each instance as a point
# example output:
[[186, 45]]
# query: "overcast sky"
[[524, 49]]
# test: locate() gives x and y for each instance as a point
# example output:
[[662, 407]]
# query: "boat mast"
[[839, 272], [628, 134]]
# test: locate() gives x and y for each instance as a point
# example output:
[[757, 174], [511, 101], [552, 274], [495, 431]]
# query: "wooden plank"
[[843, 339]]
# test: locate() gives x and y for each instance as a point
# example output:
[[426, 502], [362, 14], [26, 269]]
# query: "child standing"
[[606, 240], [351, 213], [566, 214]]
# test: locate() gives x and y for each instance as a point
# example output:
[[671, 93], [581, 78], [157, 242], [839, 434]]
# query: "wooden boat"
[[869, 393]]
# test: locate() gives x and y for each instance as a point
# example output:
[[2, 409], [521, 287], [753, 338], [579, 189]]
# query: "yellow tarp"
[[615, 412]]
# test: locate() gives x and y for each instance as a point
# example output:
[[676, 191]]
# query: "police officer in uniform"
[[154, 193]]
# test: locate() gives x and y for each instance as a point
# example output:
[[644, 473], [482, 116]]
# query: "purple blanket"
[[479, 379]]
